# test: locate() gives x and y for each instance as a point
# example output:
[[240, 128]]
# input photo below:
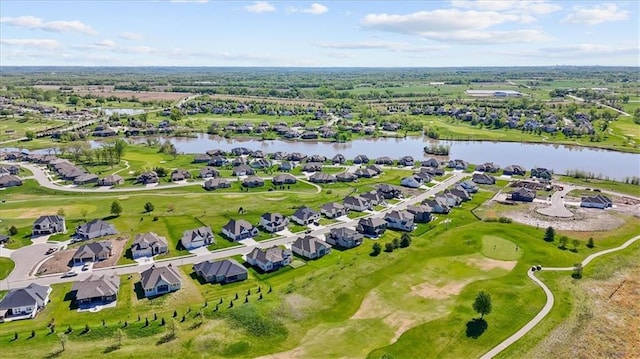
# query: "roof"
[[304, 213], [273, 254], [415, 209], [344, 232], [96, 286], [332, 206], [112, 178], [191, 234], [355, 200], [399, 215], [597, 199], [283, 177], [310, 244], [524, 192], [93, 249], [372, 222], [145, 240], [225, 267], [236, 226], [94, 226], [153, 275], [273, 217], [49, 219], [25, 296]]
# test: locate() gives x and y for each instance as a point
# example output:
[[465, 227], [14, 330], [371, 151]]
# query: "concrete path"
[[550, 299], [557, 208]]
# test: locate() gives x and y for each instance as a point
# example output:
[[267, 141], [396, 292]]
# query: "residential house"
[[217, 161], [284, 178], [305, 215], [338, 159], [11, 170], [94, 229], [344, 237], [483, 178], [223, 271], [437, 206], [458, 164], [148, 245], [346, 177], [85, 178], [243, 170], [514, 170], [430, 163], [316, 159], [361, 159], [334, 209], [160, 280], [312, 167], [421, 213], [388, 191], [7, 181], [274, 222], [96, 290], [321, 177], [269, 259], [253, 182], [374, 197], [372, 227], [239, 229], [375, 168], [198, 237], [469, 186], [540, 172], [357, 203], [215, 183], [384, 160], [4, 239], [93, 252], [180, 175], [24, 303], [423, 176], [412, 182], [50, 224], [148, 178], [432, 171], [296, 156], [488, 167], [406, 161], [366, 172], [598, 201], [111, 180], [261, 163], [209, 172], [401, 220], [201, 158], [459, 192], [450, 199], [286, 166], [523, 194], [310, 247]]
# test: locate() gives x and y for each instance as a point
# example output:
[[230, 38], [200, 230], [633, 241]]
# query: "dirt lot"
[[59, 263], [142, 95], [282, 101], [584, 219]]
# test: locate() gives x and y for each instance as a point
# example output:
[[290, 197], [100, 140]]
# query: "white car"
[[69, 274]]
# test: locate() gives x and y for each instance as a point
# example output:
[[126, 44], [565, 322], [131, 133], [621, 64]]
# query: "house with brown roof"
[[148, 245], [222, 271], [269, 259], [160, 280], [96, 290], [198, 237], [310, 247], [93, 252]]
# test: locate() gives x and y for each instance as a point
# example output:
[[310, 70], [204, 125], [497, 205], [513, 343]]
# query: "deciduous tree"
[[482, 304]]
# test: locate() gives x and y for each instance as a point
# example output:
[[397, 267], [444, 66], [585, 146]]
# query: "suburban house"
[[423, 176], [598, 201], [523, 194], [366, 172], [94, 229], [514, 170], [269, 259], [360, 159], [384, 160], [346, 177], [406, 161], [540, 172], [310, 247], [430, 163], [421, 213], [180, 175], [51, 224], [372, 227], [338, 159], [312, 167], [388, 191], [85, 178], [284, 178], [412, 182], [273, 222], [460, 193], [357, 203], [196, 238], [201, 158], [482, 178], [93, 252], [243, 170], [4, 239], [96, 290], [223, 271], [321, 177], [374, 197], [24, 303], [458, 164], [285, 166], [217, 161], [344, 237], [305, 215], [7, 181], [449, 199], [215, 183], [316, 158], [9, 170], [209, 172], [469, 186], [148, 245], [239, 229], [334, 209], [253, 182], [437, 206], [401, 220], [488, 167], [148, 178], [160, 280], [111, 180]]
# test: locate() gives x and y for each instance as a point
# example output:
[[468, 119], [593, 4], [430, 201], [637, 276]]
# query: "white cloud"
[[535, 7], [341, 55], [32, 22], [314, 9], [579, 51], [384, 45], [596, 15], [260, 6], [131, 36], [41, 44], [105, 43]]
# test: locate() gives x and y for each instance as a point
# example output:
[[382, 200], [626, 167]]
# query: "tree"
[[84, 212], [405, 241], [590, 243], [482, 304], [549, 234], [13, 230], [148, 207], [376, 249], [60, 212], [63, 340], [119, 148], [30, 135], [577, 271], [388, 247], [575, 243], [563, 242], [116, 208], [396, 243], [119, 336], [176, 114]]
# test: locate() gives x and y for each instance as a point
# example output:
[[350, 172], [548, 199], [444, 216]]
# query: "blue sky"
[[324, 33]]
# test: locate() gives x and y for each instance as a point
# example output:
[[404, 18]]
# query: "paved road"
[[601, 105], [18, 278], [550, 299], [557, 208]]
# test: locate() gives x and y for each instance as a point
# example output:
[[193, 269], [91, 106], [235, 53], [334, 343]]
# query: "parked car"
[[51, 250], [69, 274], [85, 267]]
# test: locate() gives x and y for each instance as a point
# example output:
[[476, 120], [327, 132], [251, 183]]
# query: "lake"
[[560, 158]]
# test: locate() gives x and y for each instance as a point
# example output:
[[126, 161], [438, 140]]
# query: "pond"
[[560, 158], [121, 111]]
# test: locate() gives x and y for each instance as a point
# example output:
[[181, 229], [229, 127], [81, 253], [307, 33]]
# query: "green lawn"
[[6, 266]]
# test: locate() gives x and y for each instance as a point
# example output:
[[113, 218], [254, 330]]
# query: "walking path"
[[550, 299]]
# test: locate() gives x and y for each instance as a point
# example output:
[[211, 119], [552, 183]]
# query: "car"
[[51, 250], [533, 268], [307, 231], [69, 274], [539, 267], [597, 190], [85, 267]]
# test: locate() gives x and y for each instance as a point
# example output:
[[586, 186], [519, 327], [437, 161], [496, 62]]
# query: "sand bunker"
[[489, 264]]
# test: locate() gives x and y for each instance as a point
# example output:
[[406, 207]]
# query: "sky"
[[319, 34]]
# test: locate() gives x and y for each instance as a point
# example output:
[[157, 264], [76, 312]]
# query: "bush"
[[376, 249], [505, 220], [388, 247], [13, 230]]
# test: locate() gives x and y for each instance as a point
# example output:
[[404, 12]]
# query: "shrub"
[[13, 230], [505, 220]]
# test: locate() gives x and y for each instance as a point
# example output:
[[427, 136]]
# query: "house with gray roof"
[[7, 181], [437, 205], [321, 177], [346, 177], [222, 271], [94, 229], [540, 172], [400, 220], [215, 183], [412, 182], [269, 259], [180, 175], [85, 178], [406, 161], [284, 178], [598, 201], [24, 303], [388, 191], [365, 172], [488, 167], [334, 209], [312, 167], [96, 290], [483, 178], [374, 197], [239, 229], [384, 160], [514, 170], [310, 247], [111, 180], [209, 172], [357, 203], [148, 178], [160, 280], [198, 237], [459, 192], [421, 213], [360, 159], [469, 186], [372, 227], [458, 164], [273, 222], [148, 245], [338, 159], [344, 237], [305, 215], [253, 182], [523, 194], [433, 163], [93, 252], [50, 224], [11, 170], [243, 170]]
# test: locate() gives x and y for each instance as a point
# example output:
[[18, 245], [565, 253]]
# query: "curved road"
[[550, 299]]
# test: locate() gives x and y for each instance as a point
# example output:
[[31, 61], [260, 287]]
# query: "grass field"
[[6, 266], [19, 126]]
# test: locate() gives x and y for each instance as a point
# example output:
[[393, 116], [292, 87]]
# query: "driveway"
[[557, 208]]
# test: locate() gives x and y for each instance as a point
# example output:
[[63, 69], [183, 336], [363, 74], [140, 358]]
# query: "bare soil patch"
[[489, 264], [142, 96], [584, 219], [58, 263], [432, 291], [118, 249], [280, 101]]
